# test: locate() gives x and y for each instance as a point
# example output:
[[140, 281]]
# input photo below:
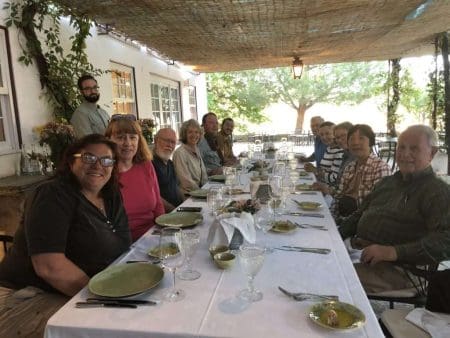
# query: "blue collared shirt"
[[319, 149]]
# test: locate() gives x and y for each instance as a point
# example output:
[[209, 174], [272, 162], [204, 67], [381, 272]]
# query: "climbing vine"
[[59, 69]]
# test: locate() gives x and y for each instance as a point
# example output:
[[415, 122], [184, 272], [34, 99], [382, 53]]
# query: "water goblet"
[[172, 257], [264, 220], [189, 244], [230, 176], [251, 258], [275, 193], [279, 169]]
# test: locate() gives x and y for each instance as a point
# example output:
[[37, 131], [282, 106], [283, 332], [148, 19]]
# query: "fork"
[[301, 296], [310, 226]]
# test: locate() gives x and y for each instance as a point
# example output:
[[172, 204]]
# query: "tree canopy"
[[245, 94]]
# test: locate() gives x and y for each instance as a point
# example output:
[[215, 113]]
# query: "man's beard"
[[92, 98], [163, 155]]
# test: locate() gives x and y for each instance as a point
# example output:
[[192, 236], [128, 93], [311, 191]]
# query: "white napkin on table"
[[436, 324], [222, 230]]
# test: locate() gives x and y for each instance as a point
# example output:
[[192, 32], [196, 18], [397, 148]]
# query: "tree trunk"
[[435, 84], [301, 110], [393, 104], [446, 96]]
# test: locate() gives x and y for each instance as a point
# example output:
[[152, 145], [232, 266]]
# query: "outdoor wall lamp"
[[297, 67]]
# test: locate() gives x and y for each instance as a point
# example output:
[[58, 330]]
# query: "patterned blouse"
[[371, 172]]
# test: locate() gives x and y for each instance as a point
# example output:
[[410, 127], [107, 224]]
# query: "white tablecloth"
[[211, 308]]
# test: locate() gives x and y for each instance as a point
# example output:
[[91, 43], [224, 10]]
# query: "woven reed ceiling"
[[231, 35]]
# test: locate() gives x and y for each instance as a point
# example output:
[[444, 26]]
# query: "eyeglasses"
[[87, 158], [116, 117], [95, 88]]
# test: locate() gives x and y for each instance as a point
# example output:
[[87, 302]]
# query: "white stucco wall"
[[32, 106]]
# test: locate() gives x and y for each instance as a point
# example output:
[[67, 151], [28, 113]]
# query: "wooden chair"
[[6, 240]]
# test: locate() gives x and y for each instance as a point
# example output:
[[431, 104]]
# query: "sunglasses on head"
[[130, 117], [87, 158]]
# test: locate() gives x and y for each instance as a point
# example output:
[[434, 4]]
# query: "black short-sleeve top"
[[59, 219]]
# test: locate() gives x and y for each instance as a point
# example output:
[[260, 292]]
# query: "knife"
[[304, 214], [103, 304], [318, 250], [307, 250], [121, 301]]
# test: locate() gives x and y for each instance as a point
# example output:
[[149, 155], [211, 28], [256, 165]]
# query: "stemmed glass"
[[275, 183], [230, 176], [263, 220], [251, 259], [172, 257], [279, 169], [189, 244]]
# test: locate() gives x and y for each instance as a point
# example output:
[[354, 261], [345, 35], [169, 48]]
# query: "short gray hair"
[[185, 126], [429, 133]]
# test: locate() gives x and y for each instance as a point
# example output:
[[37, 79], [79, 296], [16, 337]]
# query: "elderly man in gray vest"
[[405, 219]]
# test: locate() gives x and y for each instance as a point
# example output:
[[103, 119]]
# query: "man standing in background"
[[89, 118]]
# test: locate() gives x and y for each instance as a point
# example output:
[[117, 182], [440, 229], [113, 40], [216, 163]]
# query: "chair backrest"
[[7, 241]]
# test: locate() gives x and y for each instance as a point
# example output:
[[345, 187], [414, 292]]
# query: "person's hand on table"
[[376, 253], [322, 187], [309, 167]]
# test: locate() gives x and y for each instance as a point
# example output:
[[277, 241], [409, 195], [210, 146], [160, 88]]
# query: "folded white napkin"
[[355, 254], [436, 324], [221, 232]]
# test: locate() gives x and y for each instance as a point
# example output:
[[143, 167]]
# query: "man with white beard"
[[89, 118], [165, 142]]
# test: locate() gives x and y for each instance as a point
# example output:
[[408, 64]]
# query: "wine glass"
[[189, 244], [172, 257], [230, 176], [251, 258], [275, 183], [279, 169], [263, 220]]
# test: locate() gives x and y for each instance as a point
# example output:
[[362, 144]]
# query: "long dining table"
[[211, 307]]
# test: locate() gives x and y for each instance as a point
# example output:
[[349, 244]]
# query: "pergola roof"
[[227, 35]]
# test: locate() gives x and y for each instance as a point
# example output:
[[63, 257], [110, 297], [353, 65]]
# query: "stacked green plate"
[[199, 193], [125, 280], [217, 178], [179, 219]]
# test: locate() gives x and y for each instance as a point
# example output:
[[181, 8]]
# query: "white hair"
[[429, 133]]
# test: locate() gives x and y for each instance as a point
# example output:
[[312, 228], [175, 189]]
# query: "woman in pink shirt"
[[137, 177]]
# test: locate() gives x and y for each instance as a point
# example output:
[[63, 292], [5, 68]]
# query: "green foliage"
[[239, 95], [334, 83], [439, 91], [39, 21]]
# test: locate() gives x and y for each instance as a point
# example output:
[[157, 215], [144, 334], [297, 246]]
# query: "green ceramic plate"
[[217, 178], [199, 193], [179, 219], [125, 279], [348, 316], [303, 187], [307, 205], [303, 173], [283, 226], [170, 248]]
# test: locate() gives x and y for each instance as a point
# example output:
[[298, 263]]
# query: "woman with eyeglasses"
[[137, 176], [74, 226], [189, 165]]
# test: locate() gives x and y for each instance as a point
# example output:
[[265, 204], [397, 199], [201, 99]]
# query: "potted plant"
[[57, 135]]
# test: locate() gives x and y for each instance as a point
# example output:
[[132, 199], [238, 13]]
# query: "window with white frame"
[[8, 131], [165, 96], [193, 102], [124, 99]]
